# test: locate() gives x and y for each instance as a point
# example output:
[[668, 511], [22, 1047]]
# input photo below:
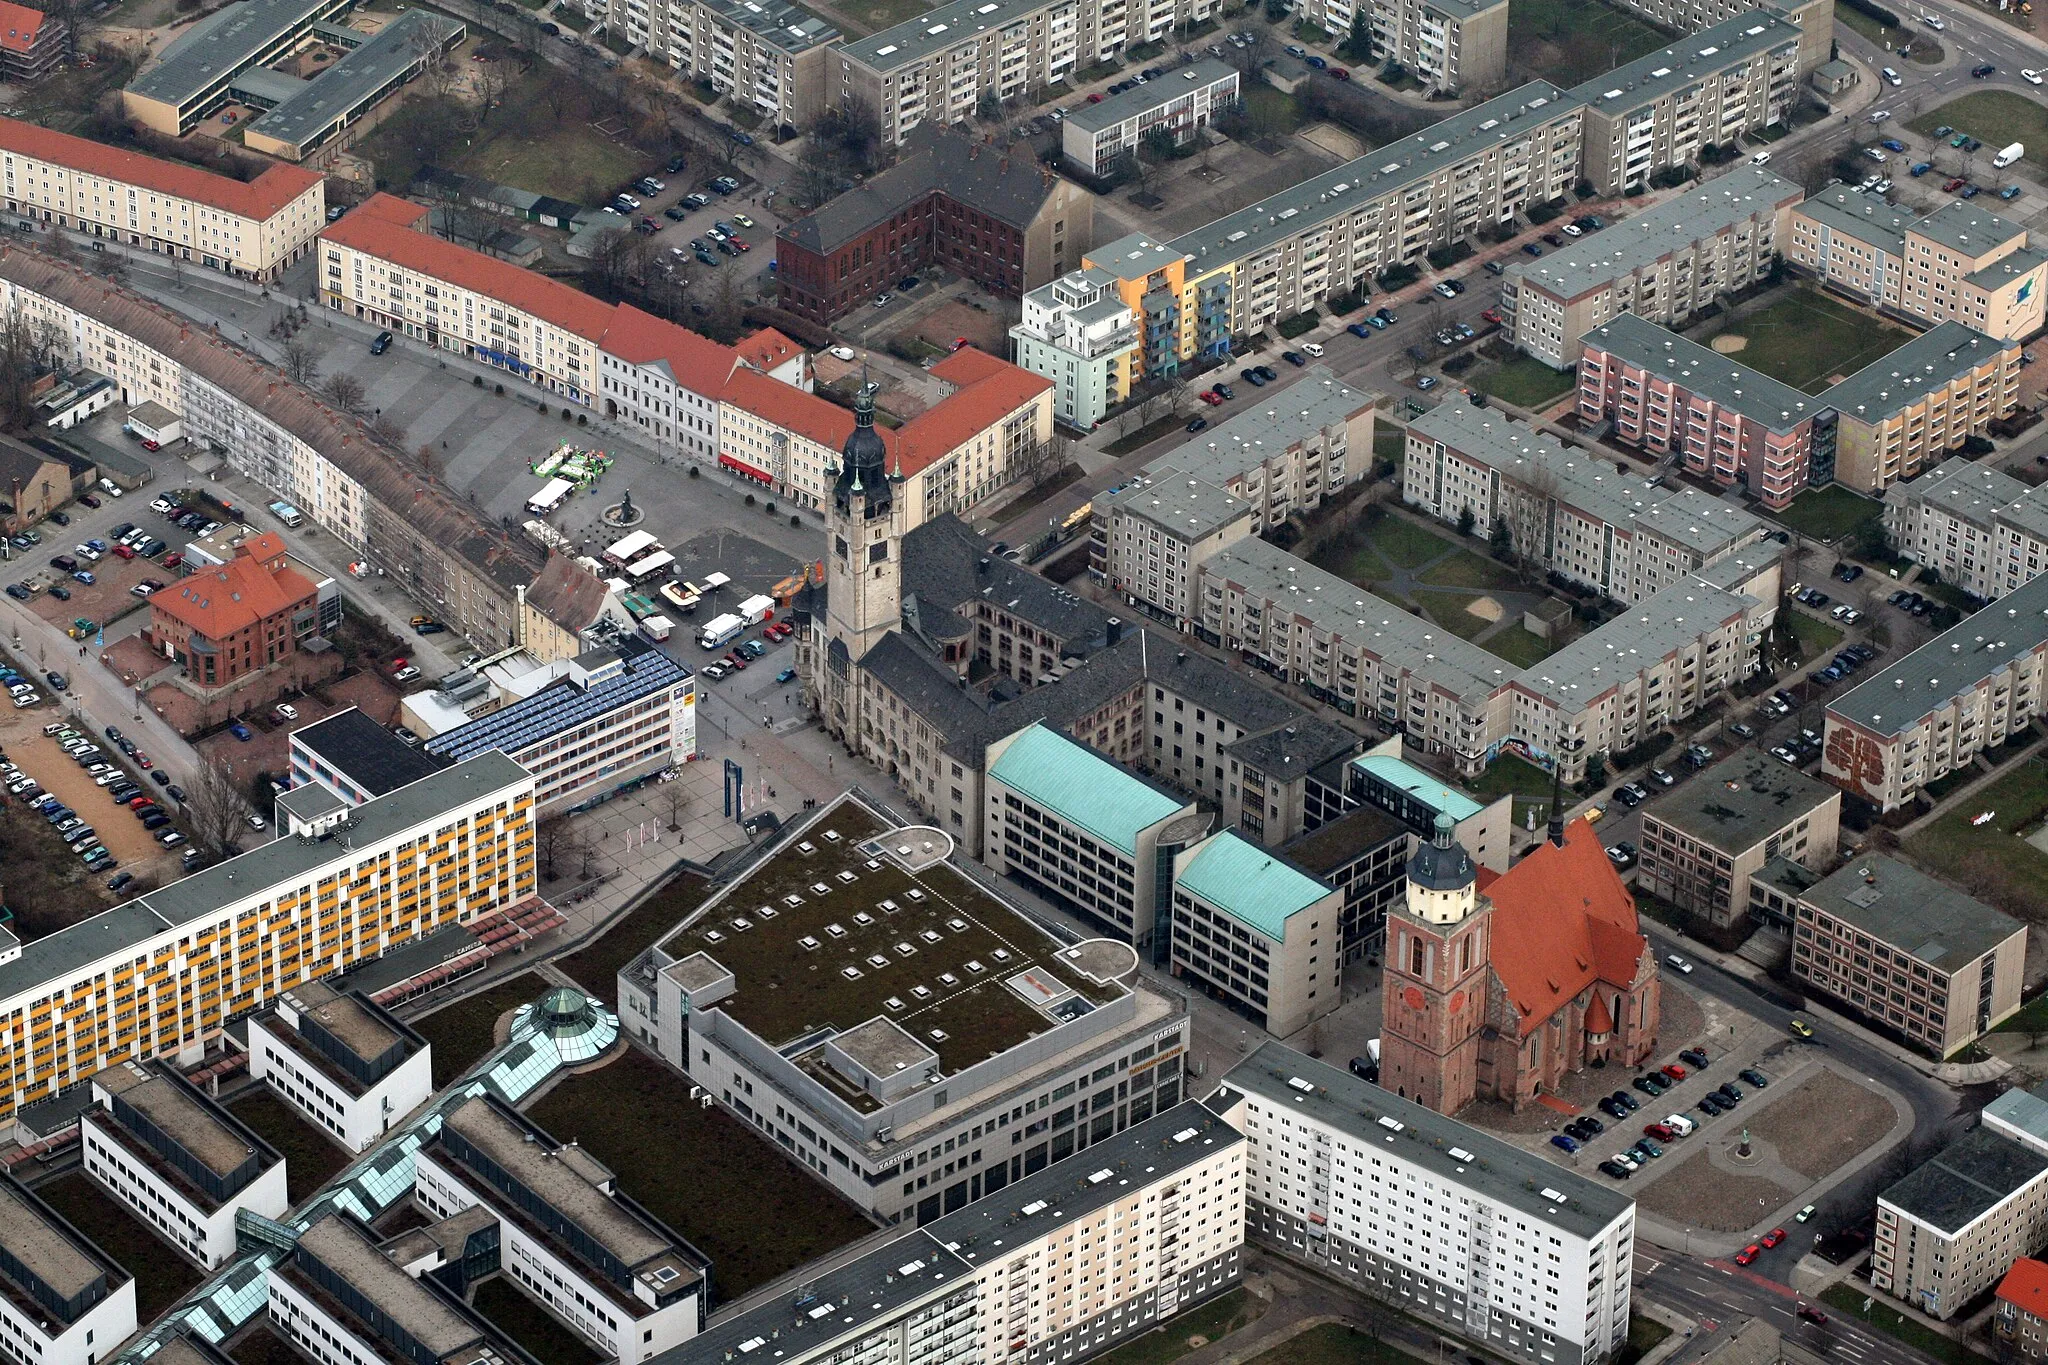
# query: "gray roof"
[[46, 1248], [1272, 426], [274, 87], [1912, 912], [1185, 507], [1966, 1181], [1721, 378], [1692, 60], [1896, 697], [2026, 1110], [1132, 257], [1506, 1175], [365, 752], [342, 1245], [935, 31], [781, 25], [1375, 625], [1929, 361], [1388, 170], [1327, 848], [1743, 800], [1175, 84], [1010, 188], [1962, 227], [1580, 478], [222, 43], [2007, 267], [1461, 9], [281, 861], [1978, 494], [1865, 217], [1599, 259], [1292, 751], [1639, 638], [1068, 1190], [342, 89]]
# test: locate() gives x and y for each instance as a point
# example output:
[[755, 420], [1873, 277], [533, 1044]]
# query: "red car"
[[1675, 1072], [1211, 397], [142, 759], [1095, 98], [1773, 1237], [1491, 315], [737, 660], [89, 499], [1663, 1132], [1952, 186], [174, 559], [738, 245], [151, 445], [1810, 1313], [1748, 1254], [1340, 73], [123, 552]]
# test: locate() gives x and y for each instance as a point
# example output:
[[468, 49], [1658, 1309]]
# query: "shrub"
[[1875, 11], [750, 499], [795, 520], [693, 471], [543, 409], [477, 380], [1544, 213], [565, 414], [498, 389], [770, 509], [1399, 276], [582, 419]]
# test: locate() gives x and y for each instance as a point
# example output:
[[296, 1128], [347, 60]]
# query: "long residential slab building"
[[1977, 526]]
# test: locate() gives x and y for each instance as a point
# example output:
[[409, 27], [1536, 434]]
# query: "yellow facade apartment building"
[[252, 229], [165, 972]]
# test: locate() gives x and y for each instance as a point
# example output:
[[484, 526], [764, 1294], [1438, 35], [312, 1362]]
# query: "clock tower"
[[1433, 996], [864, 567]]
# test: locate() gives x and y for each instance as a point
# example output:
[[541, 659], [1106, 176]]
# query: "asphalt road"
[[1724, 1294]]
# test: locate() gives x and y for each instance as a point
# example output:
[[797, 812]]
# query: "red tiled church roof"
[[1562, 920]]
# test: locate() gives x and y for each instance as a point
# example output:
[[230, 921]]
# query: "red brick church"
[[1498, 984]]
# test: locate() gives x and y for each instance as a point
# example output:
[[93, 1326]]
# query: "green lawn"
[[1993, 117], [596, 967], [1525, 382], [1389, 442], [1403, 542], [1830, 513], [527, 1323], [1467, 570], [1353, 560], [2031, 1018], [1522, 648], [1527, 783], [1447, 609], [1145, 435], [1953, 847], [726, 1188], [1272, 113], [1219, 1317], [1333, 1343], [1916, 1334], [1884, 35], [1569, 41], [162, 1276], [1807, 338], [462, 1032], [1815, 637], [310, 1158]]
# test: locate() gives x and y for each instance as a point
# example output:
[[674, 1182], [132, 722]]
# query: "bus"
[[623, 552], [648, 567]]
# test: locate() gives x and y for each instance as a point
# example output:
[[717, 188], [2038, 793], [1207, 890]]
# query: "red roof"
[[698, 363], [390, 208], [989, 390], [219, 601], [804, 413], [259, 198], [23, 26], [2025, 1286], [1562, 920], [1599, 1019], [765, 349], [374, 228]]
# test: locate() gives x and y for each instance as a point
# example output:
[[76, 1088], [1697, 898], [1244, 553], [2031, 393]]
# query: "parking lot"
[[38, 756]]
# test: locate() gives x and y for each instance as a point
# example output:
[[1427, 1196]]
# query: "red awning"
[[730, 463]]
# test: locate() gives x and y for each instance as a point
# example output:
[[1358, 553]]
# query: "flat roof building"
[[1149, 536], [197, 70], [1977, 526], [1364, 856], [1703, 842], [180, 1162], [342, 1060], [1246, 923], [373, 68], [1095, 138], [63, 1301], [338, 1285], [1948, 1231], [355, 758], [1907, 411]]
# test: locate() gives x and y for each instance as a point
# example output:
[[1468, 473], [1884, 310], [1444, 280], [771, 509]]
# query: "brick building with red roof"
[[226, 622], [1498, 986]]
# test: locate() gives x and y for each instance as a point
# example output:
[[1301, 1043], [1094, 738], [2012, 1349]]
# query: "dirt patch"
[[106, 599], [1700, 1194], [1681, 1020], [950, 321], [1824, 1124], [1334, 140], [1726, 344], [1485, 608]]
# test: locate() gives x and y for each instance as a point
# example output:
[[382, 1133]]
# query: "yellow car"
[[1801, 1027], [1593, 814]]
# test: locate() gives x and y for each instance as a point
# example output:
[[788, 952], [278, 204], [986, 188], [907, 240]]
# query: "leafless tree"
[[555, 838], [387, 431], [216, 808], [346, 392], [677, 799], [616, 256], [301, 366]]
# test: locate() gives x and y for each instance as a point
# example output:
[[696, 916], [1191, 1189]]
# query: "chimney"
[[1116, 629]]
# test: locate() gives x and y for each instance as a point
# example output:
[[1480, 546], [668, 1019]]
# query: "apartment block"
[[1706, 90], [342, 1060], [1950, 1229], [1286, 454], [1908, 411], [1862, 936], [35, 45], [1252, 928], [1528, 1259], [250, 229], [770, 56], [1084, 831], [568, 1237], [1931, 712], [1447, 44], [1663, 264], [1959, 263], [180, 1162], [63, 1301], [164, 973], [1978, 527], [1724, 420], [1565, 509], [1095, 138], [1079, 333], [1149, 537], [1816, 20], [1703, 843], [2019, 1314], [948, 1046]]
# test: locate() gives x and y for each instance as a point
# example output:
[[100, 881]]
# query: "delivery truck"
[[757, 609], [720, 631], [2008, 155]]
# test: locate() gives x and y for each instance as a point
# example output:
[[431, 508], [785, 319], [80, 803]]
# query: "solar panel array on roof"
[[560, 706]]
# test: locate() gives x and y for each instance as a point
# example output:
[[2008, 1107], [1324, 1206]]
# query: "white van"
[[1680, 1124], [1891, 77]]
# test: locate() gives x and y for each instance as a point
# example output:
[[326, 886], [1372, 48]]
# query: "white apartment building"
[[66, 1302], [1150, 536], [1565, 508], [252, 229], [1932, 711], [769, 55], [1485, 1241], [1816, 20], [1952, 1228], [1094, 138], [1705, 90], [180, 1162], [340, 1059], [165, 973], [1447, 44], [1285, 453], [567, 1236], [1069, 1261], [1978, 527], [1663, 264], [1079, 333]]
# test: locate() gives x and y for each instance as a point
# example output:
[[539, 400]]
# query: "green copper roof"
[[1405, 776], [1248, 883], [1083, 788]]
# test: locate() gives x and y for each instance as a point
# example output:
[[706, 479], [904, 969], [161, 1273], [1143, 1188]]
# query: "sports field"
[[1808, 340]]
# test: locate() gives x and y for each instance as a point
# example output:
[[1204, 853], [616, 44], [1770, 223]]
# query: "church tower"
[[1433, 996], [864, 564]]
